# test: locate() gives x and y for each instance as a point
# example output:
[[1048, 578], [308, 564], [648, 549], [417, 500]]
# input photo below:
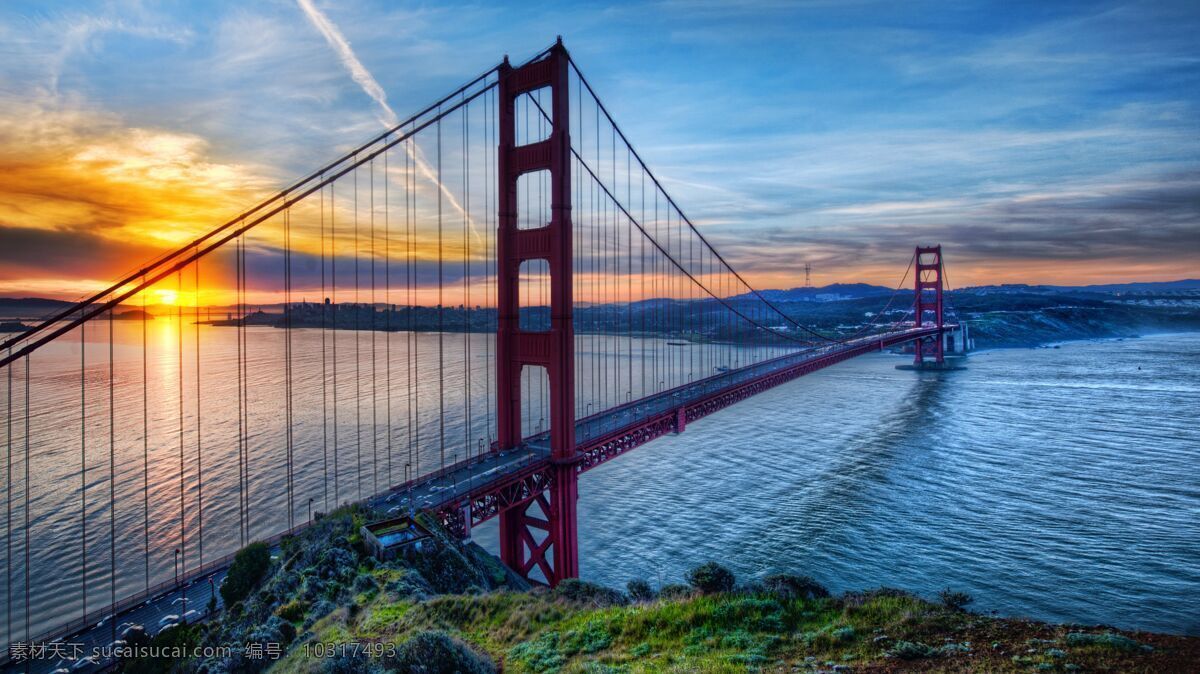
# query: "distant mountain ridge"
[[830, 293], [853, 291], [1183, 285]]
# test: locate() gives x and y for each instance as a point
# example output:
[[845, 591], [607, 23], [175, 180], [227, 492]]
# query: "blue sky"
[[1039, 142]]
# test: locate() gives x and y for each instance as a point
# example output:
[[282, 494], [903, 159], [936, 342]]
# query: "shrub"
[[786, 586], [750, 612], [640, 590], [953, 600], [364, 583], [1107, 639], [581, 591], [674, 591], [249, 566], [854, 600], [293, 611], [711, 578], [592, 638], [434, 652], [320, 609], [540, 655], [911, 650], [953, 648], [843, 634]]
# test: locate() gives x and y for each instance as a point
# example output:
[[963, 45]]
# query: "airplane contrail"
[[363, 77]]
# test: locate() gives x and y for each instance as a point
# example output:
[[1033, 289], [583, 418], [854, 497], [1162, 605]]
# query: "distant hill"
[[830, 293], [1153, 287], [30, 307]]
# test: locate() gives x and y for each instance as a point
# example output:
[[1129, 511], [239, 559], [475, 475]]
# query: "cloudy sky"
[[1038, 142]]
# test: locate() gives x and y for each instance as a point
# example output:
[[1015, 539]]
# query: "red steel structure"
[[527, 540], [928, 261]]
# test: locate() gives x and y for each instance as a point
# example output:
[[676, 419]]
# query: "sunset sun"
[[167, 296]]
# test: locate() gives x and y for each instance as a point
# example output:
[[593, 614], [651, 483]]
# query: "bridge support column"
[[928, 298], [545, 540]]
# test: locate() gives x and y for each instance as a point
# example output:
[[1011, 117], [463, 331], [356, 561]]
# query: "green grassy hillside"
[[453, 608]]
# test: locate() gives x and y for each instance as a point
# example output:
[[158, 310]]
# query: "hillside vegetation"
[[454, 608]]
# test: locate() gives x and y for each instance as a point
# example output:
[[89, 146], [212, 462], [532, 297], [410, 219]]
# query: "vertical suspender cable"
[[28, 486], [410, 382], [145, 449], [374, 360], [466, 326], [324, 354], [336, 310], [287, 365], [487, 253], [112, 478], [199, 461], [387, 301], [414, 393], [245, 385], [440, 308], [8, 492], [179, 374], [631, 287], [241, 318], [357, 353], [82, 463]]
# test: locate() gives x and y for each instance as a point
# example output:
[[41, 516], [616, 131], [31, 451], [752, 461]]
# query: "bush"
[[364, 583], [249, 566], [1108, 640], [786, 586], [755, 613], [843, 634], [581, 591], [434, 652], [854, 600], [954, 601], [293, 611], [912, 650], [640, 590], [711, 578], [674, 591]]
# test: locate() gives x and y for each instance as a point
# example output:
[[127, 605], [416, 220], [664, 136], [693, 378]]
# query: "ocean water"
[[1061, 484]]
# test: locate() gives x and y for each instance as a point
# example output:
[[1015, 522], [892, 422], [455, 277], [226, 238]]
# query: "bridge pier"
[[541, 533]]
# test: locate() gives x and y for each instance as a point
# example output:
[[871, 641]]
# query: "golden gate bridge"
[[506, 297]]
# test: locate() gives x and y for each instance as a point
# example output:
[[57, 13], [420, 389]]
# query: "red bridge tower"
[[529, 539], [929, 298]]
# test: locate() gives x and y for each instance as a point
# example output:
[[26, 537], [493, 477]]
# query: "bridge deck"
[[612, 432]]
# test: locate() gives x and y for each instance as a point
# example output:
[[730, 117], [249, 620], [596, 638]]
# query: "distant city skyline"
[[1055, 144]]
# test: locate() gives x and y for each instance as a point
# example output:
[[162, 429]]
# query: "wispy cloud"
[[349, 60], [363, 77]]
